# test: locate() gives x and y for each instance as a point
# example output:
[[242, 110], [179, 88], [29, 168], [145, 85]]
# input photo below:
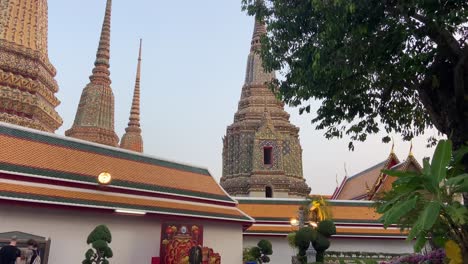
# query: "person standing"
[[35, 258], [10, 254]]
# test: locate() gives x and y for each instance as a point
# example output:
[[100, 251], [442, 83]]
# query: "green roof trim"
[[371, 235], [282, 219], [357, 204], [345, 221], [273, 201], [83, 202], [355, 221], [266, 232], [117, 183], [296, 202], [63, 142], [338, 234]]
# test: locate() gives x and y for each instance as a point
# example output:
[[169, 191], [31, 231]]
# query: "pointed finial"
[[259, 30], [367, 188], [132, 139], [345, 170], [337, 180], [135, 111], [393, 146], [102, 64], [411, 149]]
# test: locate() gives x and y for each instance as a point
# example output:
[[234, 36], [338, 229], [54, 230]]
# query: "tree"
[[99, 239], [426, 203], [400, 66], [319, 237], [261, 252]]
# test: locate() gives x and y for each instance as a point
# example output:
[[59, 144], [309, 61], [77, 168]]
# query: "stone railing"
[[349, 257]]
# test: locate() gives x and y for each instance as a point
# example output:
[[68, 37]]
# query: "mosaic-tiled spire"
[[132, 139], [244, 171], [94, 120], [27, 84]]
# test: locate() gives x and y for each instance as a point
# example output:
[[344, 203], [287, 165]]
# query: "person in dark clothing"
[[10, 254], [195, 255], [35, 258]]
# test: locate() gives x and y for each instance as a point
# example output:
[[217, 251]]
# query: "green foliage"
[[319, 237], [327, 228], [99, 239], [304, 236], [292, 239], [265, 247], [425, 203], [321, 244], [101, 232], [247, 255], [398, 63], [260, 253]]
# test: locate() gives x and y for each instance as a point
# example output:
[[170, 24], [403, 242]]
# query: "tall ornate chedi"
[[27, 84], [132, 139], [94, 120], [262, 155]]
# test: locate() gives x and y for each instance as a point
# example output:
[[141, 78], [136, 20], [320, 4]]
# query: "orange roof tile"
[[284, 210], [47, 155], [16, 190], [270, 211], [340, 231]]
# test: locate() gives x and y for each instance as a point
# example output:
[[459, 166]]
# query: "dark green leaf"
[[399, 210], [430, 215], [441, 160], [397, 173], [458, 213], [420, 242]]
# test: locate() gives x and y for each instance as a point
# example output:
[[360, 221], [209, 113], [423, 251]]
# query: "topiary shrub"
[[260, 253], [99, 239], [303, 238], [247, 255], [325, 229]]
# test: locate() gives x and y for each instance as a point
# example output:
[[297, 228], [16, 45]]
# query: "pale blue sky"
[[194, 56]]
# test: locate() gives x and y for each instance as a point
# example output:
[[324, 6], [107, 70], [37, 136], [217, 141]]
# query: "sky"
[[193, 67]]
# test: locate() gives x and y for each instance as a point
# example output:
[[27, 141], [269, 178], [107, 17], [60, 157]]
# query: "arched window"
[[268, 192]]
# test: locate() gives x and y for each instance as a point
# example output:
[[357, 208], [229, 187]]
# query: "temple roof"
[[357, 186], [76, 197], [47, 156], [353, 218]]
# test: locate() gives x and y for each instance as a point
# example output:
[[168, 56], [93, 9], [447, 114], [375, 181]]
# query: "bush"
[[260, 253], [326, 228], [99, 239]]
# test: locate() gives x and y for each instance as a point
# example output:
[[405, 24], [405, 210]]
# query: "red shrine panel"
[[183, 244]]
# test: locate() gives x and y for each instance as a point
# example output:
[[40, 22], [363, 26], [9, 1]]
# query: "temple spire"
[[132, 139], [262, 139], [101, 64], [94, 120], [259, 31], [27, 78]]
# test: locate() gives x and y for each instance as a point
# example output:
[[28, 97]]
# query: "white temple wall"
[[135, 239], [396, 246]]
